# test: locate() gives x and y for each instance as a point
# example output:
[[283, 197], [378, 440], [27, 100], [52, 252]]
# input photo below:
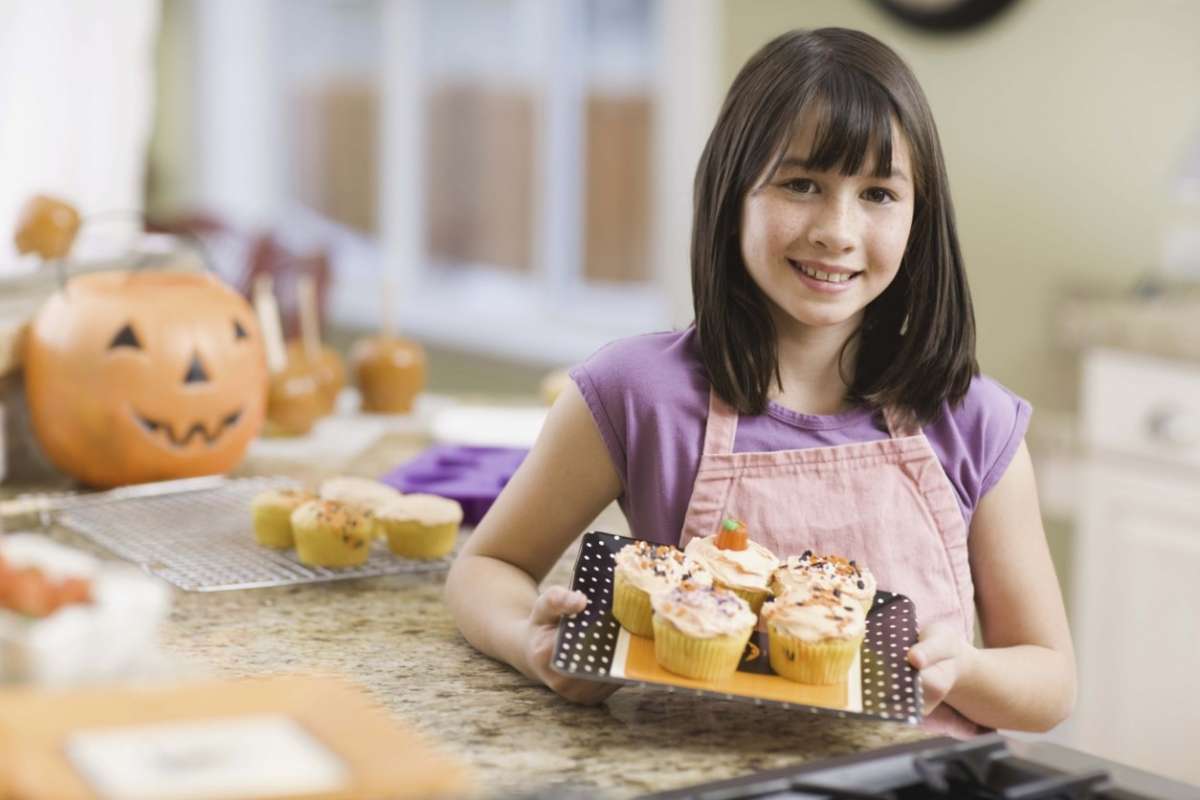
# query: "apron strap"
[[721, 428]]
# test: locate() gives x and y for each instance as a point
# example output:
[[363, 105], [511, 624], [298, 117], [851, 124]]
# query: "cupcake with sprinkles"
[[643, 569], [736, 562], [700, 632], [808, 572], [813, 636]]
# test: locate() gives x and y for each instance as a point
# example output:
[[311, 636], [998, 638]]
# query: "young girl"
[[827, 394]]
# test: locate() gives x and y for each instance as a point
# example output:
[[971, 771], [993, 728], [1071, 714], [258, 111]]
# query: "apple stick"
[[387, 324], [310, 325], [268, 319]]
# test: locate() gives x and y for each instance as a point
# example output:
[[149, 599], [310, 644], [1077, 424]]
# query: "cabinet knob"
[[1174, 427]]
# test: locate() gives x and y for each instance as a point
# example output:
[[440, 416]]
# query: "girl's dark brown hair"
[[916, 347]]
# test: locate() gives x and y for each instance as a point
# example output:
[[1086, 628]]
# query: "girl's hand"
[[542, 625], [943, 655]]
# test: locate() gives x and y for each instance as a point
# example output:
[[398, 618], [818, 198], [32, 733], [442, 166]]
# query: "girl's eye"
[[800, 185], [877, 195]]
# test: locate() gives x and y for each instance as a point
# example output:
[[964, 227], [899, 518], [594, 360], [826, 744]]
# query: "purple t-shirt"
[[649, 397]]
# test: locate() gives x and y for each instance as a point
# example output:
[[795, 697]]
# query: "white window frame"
[[547, 316]]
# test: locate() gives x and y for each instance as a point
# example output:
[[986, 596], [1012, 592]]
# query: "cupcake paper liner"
[[415, 540], [704, 659], [823, 662], [631, 607]]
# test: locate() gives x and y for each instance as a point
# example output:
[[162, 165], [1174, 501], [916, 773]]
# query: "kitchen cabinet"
[[1136, 574]]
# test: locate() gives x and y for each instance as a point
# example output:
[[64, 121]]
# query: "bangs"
[[852, 117]]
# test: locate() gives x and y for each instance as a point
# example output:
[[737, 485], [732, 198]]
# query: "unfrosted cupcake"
[[271, 512], [643, 569], [420, 525], [332, 534], [700, 632], [813, 636], [736, 562], [809, 572]]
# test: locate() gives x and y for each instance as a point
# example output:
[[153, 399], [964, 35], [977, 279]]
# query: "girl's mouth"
[[821, 280]]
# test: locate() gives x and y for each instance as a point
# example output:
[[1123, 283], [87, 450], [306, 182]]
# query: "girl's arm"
[[1024, 676], [492, 589]]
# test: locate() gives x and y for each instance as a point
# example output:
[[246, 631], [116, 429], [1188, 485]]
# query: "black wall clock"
[[944, 15]]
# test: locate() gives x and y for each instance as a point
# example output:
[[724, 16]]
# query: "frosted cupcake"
[[358, 491], [700, 632], [420, 525], [813, 636], [332, 534], [735, 562], [643, 569], [271, 512], [809, 572], [365, 493]]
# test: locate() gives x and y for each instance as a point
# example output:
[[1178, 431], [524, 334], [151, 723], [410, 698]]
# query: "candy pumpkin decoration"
[[143, 376]]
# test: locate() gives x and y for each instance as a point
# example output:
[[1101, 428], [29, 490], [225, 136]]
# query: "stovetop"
[[989, 767]]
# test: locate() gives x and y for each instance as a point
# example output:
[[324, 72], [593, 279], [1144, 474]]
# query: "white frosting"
[[358, 491], [748, 569], [809, 571], [656, 568], [427, 509], [704, 612], [815, 616], [283, 498]]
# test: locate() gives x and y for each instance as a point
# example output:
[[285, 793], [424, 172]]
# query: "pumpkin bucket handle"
[[186, 237]]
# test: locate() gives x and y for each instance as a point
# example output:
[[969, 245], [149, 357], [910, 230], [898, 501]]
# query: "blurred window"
[[500, 163]]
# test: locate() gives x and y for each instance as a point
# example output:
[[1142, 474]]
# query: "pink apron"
[[887, 504]]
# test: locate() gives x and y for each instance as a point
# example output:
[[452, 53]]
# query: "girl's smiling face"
[[821, 245]]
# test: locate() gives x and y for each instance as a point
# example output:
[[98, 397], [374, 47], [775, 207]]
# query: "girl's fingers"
[[936, 683], [935, 643], [588, 693], [554, 603]]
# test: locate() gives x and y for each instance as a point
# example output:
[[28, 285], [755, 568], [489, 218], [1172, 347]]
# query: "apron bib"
[[887, 504]]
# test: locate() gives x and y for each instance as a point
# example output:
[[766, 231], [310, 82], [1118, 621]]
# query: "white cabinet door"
[[1137, 616]]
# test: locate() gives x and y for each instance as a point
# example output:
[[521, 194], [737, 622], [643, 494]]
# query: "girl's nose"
[[832, 229]]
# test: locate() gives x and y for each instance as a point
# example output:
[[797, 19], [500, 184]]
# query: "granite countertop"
[[394, 637]]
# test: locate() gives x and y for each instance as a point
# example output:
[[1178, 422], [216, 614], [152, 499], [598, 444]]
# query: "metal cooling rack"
[[201, 539]]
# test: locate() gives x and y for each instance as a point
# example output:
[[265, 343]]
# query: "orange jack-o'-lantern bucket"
[[135, 376]]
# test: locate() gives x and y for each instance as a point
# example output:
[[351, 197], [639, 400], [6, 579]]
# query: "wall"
[[1062, 122]]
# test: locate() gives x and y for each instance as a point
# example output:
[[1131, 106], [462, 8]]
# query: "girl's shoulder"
[[647, 395], [653, 365], [977, 438]]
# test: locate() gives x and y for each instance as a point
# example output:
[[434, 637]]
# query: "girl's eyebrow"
[[795, 162]]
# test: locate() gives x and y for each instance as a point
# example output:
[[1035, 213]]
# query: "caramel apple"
[[389, 372], [324, 362], [294, 401], [294, 398], [326, 367], [46, 226]]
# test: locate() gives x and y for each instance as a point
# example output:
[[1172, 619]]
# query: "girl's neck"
[[812, 366]]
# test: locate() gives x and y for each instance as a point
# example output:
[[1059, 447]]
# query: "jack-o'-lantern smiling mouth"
[[196, 429]]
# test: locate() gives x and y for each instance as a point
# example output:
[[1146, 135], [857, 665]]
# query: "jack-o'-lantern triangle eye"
[[125, 338], [238, 331]]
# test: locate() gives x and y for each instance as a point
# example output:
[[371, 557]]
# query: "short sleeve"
[[649, 400], [1010, 428], [977, 439], [599, 381]]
